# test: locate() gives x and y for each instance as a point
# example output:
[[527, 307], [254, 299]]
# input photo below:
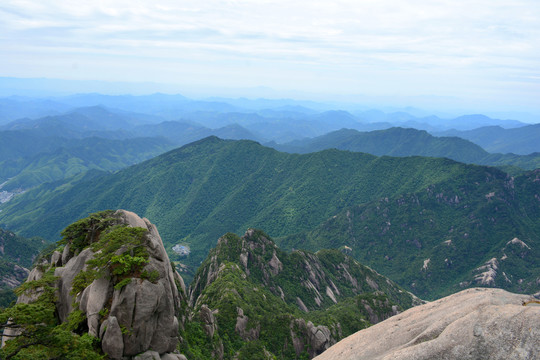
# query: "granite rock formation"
[[132, 301], [477, 323]]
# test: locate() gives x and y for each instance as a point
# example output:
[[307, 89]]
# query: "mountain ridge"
[[401, 142], [207, 188]]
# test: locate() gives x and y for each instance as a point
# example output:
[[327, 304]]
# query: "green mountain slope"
[[73, 157], [251, 297], [207, 188], [409, 142], [483, 231]]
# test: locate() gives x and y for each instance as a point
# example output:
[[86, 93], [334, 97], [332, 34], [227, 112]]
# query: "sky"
[[483, 53]]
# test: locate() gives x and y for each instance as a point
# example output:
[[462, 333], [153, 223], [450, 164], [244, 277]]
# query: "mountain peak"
[[113, 280]]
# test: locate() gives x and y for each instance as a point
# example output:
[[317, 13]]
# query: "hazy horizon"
[[475, 56]]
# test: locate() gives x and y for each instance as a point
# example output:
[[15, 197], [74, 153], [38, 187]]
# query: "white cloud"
[[454, 43]]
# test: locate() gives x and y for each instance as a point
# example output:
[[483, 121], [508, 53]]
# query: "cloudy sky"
[[481, 51]]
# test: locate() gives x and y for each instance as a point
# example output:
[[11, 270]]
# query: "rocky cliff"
[[248, 295], [111, 270], [16, 256], [477, 323]]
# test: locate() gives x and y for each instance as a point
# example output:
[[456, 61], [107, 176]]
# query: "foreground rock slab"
[[475, 324]]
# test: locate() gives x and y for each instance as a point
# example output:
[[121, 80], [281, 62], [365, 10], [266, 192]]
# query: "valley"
[[348, 217]]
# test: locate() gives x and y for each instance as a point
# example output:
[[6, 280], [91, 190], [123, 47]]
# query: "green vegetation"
[[411, 142], [40, 336], [265, 295], [16, 253], [119, 252], [88, 233], [19, 250], [458, 225], [198, 192], [64, 158]]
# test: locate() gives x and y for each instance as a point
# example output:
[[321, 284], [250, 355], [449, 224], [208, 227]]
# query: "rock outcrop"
[[317, 284], [114, 269], [477, 323], [247, 288]]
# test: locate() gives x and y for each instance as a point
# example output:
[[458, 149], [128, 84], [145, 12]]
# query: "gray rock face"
[[207, 317], [147, 310], [111, 335], [316, 338], [148, 355], [66, 274], [16, 277], [136, 319], [241, 327], [473, 324]]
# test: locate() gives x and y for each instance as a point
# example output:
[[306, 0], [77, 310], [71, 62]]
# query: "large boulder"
[[476, 324], [126, 288]]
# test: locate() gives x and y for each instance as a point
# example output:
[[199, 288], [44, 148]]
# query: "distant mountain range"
[[436, 205], [212, 186], [410, 142], [34, 151], [522, 140]]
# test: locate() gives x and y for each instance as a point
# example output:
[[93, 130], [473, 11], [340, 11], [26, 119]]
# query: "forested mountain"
[[36, 160], [250, 297], [35, 151], [483, 231], [522, 140], [108, 288], [202, 190], [408, 142]]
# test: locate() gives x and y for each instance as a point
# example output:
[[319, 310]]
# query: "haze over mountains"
[[38, 134], [414, 197]]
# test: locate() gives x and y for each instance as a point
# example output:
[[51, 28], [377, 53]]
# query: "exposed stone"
[[66, 275], [207, 317], [56, 259], [173, 357], [112, 341], [372, 283], [148, 355], [488, 273], [241, 327], [301, 304], [317, 338], [516, 241], [320, 335], [275, 265], [16, 277], [475, 323], [331, 295], [66, 254], [130, 320], [298, 341], [93, 300]]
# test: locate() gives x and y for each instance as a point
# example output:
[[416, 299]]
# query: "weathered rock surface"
[[315, 338], [16, 278], [476, 323], [137, 319], [249, 282], [257, 254]]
